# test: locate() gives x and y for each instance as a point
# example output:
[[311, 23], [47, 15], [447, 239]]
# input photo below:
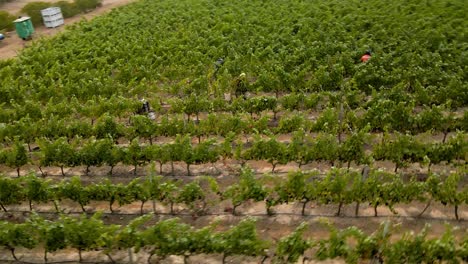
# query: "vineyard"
[[265, 138]]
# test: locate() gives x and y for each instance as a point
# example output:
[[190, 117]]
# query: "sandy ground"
[[12, 44]]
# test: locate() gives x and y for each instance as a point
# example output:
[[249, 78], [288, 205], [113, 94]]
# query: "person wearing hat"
[[240, 86]]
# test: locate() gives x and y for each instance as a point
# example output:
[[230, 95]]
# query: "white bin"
[[52, 17]]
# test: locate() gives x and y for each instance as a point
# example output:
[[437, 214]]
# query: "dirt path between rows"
[[12, 44]]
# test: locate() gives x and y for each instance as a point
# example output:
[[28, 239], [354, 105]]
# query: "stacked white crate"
[[52, 17]]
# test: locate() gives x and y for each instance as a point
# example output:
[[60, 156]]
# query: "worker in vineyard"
[[366, 56], [145, 107], [218, 65], [240, 86]]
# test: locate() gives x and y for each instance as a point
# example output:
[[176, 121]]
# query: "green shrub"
[[86, 5], [6, 21], [33, 10], [68, 9]]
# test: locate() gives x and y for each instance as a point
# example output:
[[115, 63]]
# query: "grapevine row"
[[193, 104], [381, 115], [302, 149], [172, 237], [419, 49], [339, 187]]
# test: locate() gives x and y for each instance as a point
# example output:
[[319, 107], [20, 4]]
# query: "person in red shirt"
[[366, 56]]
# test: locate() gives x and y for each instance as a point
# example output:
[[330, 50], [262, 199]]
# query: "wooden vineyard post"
[[151, 175]]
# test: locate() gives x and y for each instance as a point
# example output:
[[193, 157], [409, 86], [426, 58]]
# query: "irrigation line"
[[131, 176], [264, 215]]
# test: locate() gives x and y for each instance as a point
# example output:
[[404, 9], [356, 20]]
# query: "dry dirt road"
[[12, 44]]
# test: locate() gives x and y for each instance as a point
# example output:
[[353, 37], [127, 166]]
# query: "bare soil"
[[12, 44]]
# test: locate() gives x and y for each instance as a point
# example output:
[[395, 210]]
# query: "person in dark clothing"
[[217, 66], [145, 107]]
